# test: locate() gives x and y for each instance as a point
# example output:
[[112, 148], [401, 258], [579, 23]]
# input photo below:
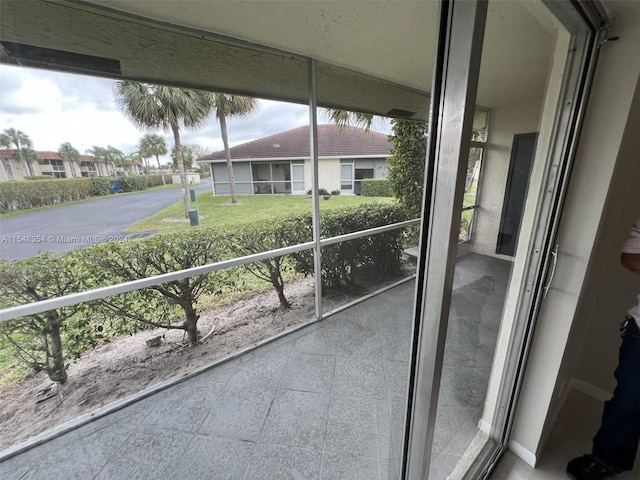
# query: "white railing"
[[11, 313]]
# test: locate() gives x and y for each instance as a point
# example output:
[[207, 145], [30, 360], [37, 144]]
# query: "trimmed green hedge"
[[134, 183], [175, 304], [41, 177], [340, 262], [99, 186], [376, 187], [22, 195]]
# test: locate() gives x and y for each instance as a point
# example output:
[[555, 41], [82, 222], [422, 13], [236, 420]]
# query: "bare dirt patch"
[[127, 365]]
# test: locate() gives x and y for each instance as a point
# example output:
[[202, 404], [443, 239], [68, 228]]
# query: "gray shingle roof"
[[332, 142]]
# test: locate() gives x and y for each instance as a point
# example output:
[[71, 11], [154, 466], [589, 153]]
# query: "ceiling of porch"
[[388, 47]]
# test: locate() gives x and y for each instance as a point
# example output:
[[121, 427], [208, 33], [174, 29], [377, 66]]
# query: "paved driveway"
[[75, 226]]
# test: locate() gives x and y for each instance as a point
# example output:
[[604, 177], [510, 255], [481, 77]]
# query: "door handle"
[[554, 259]]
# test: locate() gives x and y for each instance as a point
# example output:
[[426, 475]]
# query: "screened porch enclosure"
[[396, 384], [258, 178], [324, 402]]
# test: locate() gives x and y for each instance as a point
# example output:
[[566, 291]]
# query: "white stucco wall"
[[329, 174], [505, 123], [608, 145]]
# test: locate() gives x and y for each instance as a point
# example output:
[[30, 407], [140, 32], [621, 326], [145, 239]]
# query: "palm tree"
[[69, 154], [153, 144], [156, 106], [135, 158], [344, 118], [117, 157], [10, 137], [99, 153], [4, 141], [231, 106]]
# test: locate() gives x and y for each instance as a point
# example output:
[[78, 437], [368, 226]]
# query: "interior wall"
[[595, 219], [506, 122], [611, 289]]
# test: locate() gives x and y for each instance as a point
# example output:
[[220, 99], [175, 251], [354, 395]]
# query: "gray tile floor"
[[326, 402], [480, 284]]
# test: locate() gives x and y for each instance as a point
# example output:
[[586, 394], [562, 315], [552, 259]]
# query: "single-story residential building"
[[280, 163]]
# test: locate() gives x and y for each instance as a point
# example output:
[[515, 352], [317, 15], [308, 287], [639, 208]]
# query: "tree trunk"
[[180, 162], [191, 323], [227, 154], [161, 173], [57, 371], [278, 284]]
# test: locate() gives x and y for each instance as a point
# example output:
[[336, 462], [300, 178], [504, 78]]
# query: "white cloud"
[[53, 108]]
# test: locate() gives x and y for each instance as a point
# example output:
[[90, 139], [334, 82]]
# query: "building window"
[[8, 169]]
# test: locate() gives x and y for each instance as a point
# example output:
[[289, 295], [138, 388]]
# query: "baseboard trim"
[[522, 453], [591, 390]]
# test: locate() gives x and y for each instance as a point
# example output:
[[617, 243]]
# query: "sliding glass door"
[[527, 64]]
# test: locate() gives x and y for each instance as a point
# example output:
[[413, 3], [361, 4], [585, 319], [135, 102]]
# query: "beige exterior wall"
[[329, 173], [16, 167], [71, 169], [505, 123]]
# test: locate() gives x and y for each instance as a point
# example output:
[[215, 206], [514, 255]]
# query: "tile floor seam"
[[116, 450], [204, 419], [326, 423], [264, 421]]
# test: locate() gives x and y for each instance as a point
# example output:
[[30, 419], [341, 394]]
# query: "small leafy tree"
[[133, 260], [189, 155], [268, 235], [406, 163], [38, 339]]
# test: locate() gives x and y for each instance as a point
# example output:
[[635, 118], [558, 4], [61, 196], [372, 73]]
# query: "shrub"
[[99, 186], [406, 163], [335, 192], [265, 235], [132, 260], [41, 177], [321, 192], [133, 183], [376, 187], [22, 195], [340, 262], [39, 340]]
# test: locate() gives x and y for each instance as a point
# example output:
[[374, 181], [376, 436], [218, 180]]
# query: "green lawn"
[[218, 210]]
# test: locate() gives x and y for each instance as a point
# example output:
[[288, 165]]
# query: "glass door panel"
[[522, 82], [346, 178], [297, 175]]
